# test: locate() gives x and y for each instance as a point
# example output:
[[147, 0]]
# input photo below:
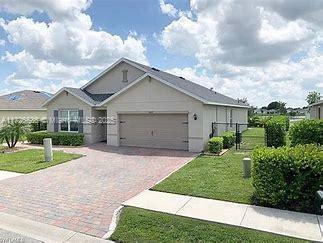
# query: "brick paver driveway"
[[82, 194]]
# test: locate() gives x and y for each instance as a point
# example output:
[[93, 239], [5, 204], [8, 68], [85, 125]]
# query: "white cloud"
[[66, 47], [171, 11], [286, 81], [246, 47], [168, 9]]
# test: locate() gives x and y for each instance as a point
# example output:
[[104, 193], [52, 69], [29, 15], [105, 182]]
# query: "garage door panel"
[[156, 131]]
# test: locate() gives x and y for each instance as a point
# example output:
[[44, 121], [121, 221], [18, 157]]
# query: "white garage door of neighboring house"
[[154, 130]]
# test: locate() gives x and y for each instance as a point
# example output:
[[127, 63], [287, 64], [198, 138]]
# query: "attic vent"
[[182, 78], [155, 69], [124, 75]]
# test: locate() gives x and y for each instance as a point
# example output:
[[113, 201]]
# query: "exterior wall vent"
[[124, 75]]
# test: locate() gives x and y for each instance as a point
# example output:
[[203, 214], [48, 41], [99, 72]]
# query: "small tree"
[[282, 108], [313, 97], [12, 131], [273, 105]]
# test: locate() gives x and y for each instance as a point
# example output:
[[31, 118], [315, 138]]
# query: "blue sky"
[[264, 51]]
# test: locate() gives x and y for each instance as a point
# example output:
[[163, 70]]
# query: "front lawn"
[[139, 225], [216, 177], [27, 161]]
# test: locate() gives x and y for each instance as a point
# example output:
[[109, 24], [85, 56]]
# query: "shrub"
[[38, 126], [228, 139], [287, 177], [286, 120], [257, 121], [275, 131], [215, 145], [306, 132], [12, 131], [58, 138]]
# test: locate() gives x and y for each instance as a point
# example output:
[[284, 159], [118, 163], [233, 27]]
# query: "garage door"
[[154, 131]]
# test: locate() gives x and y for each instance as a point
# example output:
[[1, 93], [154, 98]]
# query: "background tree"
[[273, 105], [282, 107], [12, 131], [313, 97]]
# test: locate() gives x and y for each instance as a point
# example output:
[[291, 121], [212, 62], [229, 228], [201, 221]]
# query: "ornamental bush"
[[215, 145], [228, 139], [40, 125], [58, 138], [287, 177], [275, 131], [307, 132]]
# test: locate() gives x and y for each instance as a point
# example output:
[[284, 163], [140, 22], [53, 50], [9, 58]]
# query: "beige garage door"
[[154, 131]]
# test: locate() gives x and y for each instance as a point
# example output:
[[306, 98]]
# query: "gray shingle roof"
[[93, 99], [24, 100], [183, 84], [191, 87]]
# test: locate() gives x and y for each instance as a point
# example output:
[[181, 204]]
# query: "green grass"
[[27, 161], [215, 177], [252, 137], [139, 225]]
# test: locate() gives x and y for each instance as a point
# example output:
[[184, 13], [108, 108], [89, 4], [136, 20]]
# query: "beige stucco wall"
[[28, 116], [68, 101], [221, 114], [112, 82], [316, 111], [153, 96]]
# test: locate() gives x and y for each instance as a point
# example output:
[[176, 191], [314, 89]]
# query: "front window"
[[69, 121]]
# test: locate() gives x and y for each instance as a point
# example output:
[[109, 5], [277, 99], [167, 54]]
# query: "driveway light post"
[[48, 149], [246, 164]]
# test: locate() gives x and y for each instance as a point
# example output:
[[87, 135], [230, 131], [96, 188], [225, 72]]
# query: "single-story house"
[[316, 110], [131, 104], [25, 104]]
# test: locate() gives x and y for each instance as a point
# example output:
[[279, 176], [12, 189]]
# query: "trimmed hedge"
[[58, 138], [228, 139], [215, 145], [275, 131], [38, 126], [287, 177], [306, 132], [257, 121]]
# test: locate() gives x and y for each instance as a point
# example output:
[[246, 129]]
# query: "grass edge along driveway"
[[140, 225], [215, 177], [27, 161]]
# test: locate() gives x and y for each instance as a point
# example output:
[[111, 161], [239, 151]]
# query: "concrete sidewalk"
[[33, 231], [283, 222], [8, 174]]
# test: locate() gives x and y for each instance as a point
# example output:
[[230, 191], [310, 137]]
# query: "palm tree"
[[12, 131]]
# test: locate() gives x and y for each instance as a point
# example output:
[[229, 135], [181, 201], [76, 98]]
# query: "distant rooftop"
[[24, 100]]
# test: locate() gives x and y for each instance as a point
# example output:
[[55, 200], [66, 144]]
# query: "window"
[[125, 76], [231, 117], [69, 120]]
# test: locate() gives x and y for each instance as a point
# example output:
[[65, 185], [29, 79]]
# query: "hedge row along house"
[[144, 107]]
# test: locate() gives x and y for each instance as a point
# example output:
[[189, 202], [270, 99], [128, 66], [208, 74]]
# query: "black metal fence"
[[245, 138]]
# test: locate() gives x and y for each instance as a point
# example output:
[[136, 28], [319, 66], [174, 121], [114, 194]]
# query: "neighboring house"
[[144, 107], [316, 110], [26, 104]]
